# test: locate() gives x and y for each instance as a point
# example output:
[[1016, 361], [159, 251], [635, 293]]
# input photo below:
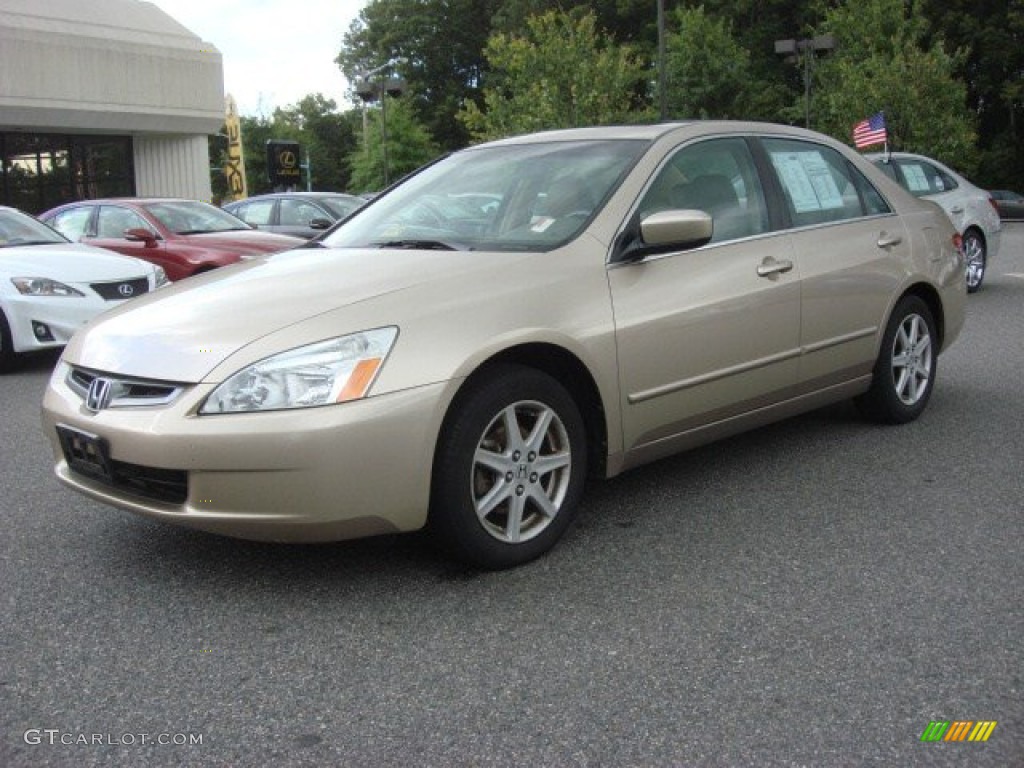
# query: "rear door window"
[[820, 185]]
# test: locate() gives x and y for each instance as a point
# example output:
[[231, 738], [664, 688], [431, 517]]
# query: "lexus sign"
[[283, 163]]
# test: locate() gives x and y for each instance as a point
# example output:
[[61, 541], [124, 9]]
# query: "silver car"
[[632, 292], [971, 209], [300, 214]]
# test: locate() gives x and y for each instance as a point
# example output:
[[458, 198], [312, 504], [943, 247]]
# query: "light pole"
[[795, 50], [662, 102], [370, 87]]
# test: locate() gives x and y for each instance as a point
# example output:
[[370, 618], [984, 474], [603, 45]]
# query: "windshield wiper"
[[419, 245]]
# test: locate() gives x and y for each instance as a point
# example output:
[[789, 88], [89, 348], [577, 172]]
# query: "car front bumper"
[[314, 474], [61, 316]]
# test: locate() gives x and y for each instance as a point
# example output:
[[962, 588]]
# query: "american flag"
[[870, 131]]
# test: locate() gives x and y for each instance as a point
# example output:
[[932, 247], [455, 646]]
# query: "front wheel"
[[974, 253], [509, 469], [904, 373], [6, 345]]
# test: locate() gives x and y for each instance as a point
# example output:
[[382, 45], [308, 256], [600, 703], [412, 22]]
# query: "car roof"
[[655, 131], [307, 195], [135, 200]]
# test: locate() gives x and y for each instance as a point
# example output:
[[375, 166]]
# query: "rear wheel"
[[976, 256], [904, 373], [509, 470]]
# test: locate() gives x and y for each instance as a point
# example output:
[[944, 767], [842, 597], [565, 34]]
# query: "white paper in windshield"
[[808, 180]]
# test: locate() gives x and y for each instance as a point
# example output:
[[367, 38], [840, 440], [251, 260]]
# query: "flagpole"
[[887, 155]]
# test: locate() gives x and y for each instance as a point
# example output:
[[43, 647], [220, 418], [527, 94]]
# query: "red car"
[[182, 236]]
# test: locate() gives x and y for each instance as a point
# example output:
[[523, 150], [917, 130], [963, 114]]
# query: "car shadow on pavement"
[[633, 499]]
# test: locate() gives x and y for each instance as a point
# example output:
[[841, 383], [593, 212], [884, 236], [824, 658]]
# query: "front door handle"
[[772, 266], [886, 240]]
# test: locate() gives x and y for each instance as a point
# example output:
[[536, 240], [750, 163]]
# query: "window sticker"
[[916, 179], [807, 178]]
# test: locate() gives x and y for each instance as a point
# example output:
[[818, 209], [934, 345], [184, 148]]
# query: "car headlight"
[[43, 286], [327, 372], [161, 278]]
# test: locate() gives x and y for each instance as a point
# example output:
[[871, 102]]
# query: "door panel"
[[848, 245], [848, 282], [703, 337]]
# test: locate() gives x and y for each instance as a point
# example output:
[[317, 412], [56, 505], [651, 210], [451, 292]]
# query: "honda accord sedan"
[[634, 291]]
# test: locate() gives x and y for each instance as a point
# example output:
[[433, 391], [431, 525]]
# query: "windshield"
[[516, 197], [185, 217], [17, 228]]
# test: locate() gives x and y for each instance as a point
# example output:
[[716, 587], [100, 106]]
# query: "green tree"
[[992, 34], [439, 45], [326, 136], [629, 21], [883, 64], [563, 73], [708, 71], [409, 146], [256, 131], [775, 84]]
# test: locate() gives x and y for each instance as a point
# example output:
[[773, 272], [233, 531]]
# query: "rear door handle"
[[772, 266], [886, 240]]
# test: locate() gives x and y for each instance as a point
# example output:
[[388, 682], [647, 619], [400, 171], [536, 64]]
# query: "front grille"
[[170, 485], [122, 289], [125, 392]]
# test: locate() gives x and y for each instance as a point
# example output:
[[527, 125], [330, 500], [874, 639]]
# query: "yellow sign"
[[234, 171]]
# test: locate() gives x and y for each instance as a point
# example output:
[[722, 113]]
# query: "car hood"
[[185, 330], [70, 263], [246, 241]]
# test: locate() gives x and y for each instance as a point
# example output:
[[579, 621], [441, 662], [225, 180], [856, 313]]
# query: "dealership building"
[[101, 98]]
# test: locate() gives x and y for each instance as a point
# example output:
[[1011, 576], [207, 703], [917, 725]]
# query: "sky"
[[274, 51]]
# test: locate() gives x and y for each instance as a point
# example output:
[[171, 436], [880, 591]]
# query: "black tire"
[[6, 345], [904, 373], [977, 259], [500, 499]]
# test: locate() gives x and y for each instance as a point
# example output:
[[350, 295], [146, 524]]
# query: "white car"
[[50, 287], [971, 209]]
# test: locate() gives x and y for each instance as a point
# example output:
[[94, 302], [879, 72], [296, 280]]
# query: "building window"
[[41, 171]]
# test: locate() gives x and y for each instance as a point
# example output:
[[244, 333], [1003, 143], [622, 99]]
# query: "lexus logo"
[[287, 159], [125, 289], [99, 394]]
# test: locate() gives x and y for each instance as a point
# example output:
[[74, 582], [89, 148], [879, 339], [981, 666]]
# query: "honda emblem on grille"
[[125, 289], [98, 396]]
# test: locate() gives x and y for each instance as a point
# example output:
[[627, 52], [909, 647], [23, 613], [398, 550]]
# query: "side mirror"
[[672, 230], [141, 235], [320, 223]]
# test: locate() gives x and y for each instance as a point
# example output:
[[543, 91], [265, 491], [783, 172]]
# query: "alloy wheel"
[[912, 359], [521, 472]]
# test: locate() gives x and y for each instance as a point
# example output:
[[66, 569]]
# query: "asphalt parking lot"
[[815, 593]]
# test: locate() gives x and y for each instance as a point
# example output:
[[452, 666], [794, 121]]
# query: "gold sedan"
[[467, 348]]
